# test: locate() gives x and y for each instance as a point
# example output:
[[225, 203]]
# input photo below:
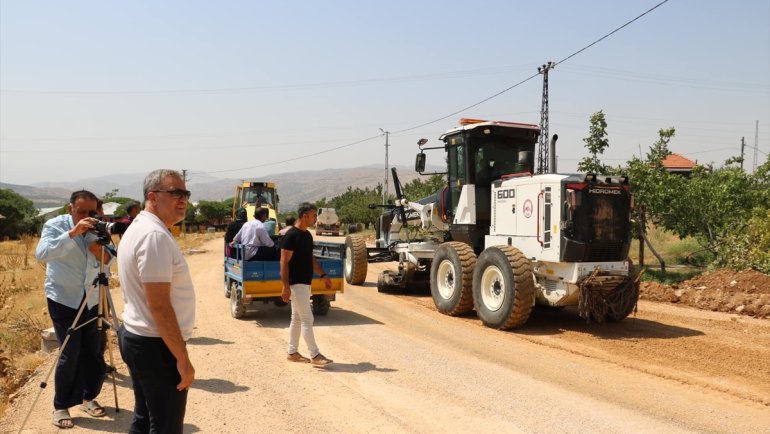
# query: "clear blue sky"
[[92, 88]]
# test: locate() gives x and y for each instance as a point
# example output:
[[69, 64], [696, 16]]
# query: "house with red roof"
[[676, 163]]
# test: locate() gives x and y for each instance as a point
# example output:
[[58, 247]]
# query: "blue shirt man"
[[72, 256], [71, 267]]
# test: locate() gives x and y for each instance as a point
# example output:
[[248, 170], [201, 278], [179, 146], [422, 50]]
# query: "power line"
[[297, 158], [611, 33], [465, 108]]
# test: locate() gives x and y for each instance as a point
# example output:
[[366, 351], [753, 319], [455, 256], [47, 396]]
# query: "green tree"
[[352, 206], [418, 189], [652, 185], [19, 215], [213, 212], [718, 207], [596, 143], [189, 215], [110, 197]]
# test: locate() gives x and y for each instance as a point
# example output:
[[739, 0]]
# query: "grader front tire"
[[356, 259], [451, 276]]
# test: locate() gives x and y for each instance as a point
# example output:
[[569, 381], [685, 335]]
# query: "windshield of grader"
[[498, 156]]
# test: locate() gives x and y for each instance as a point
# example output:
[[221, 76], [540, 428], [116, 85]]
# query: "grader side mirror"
[[419, 163]]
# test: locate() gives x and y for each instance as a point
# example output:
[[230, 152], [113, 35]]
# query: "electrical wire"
[[465, 108]]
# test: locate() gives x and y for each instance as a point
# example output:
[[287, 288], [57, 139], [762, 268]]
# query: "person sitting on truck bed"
[[256, 241], [289, 224], [233, 228], [270, 228]]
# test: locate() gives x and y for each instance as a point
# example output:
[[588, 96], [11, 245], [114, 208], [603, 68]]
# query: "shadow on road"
[[276, 317], [356, 368], [202, 340], [217, 385], [549, 321], [552, 322]]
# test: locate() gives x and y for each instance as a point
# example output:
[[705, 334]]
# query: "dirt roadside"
[[403, 367]]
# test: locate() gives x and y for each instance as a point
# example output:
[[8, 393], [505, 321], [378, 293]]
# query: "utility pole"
[[743, 147], [756, 146], [542, 153], [385, 190]]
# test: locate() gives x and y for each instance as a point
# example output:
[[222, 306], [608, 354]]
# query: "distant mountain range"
[[293, 187]]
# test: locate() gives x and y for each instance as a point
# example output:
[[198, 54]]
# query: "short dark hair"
[[131, 205], [82, 194], [290, 221], [261, 212], [304, 208]]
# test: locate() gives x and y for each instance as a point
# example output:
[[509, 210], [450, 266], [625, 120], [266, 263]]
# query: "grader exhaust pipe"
[[552, 154]]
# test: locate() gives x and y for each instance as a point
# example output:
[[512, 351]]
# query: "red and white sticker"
[[527, 208]]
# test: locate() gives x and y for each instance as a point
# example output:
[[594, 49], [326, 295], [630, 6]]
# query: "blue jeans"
[[80, 370], [158, 407]]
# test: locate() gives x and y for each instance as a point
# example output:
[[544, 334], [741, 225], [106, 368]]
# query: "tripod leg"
[[112, 313], [104, 298], [44, 383]]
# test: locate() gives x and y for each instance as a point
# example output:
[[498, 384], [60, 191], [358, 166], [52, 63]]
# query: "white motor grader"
[[499, 239]]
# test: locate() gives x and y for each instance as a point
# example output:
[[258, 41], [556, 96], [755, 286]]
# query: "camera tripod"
[[105, 313]]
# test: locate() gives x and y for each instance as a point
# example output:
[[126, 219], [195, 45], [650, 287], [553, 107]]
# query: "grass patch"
[[674, 251], [670, 276]]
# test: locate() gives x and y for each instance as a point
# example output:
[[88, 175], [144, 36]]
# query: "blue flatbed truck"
[[251, 282]]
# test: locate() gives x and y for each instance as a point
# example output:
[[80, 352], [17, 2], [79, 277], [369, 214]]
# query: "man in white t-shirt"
[[159, 307]]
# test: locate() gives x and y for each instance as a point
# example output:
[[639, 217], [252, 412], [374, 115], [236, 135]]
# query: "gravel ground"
[[400, 366]]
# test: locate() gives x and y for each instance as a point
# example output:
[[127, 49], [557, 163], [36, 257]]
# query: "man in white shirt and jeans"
[[159, 307]]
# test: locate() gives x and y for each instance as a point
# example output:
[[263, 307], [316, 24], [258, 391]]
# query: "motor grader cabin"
[[500, 239]]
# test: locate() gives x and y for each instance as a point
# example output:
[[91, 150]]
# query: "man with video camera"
[[72, 252]]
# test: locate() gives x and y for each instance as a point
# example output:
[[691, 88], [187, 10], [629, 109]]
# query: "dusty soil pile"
[[746, 292]]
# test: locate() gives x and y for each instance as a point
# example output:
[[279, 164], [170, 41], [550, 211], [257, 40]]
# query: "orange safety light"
[[469, 121]]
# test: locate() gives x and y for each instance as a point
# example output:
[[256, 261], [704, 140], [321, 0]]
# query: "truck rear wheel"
[[451, 276], [227, 287], [503, 287], [237, 309], [356, 259], [320, 304]]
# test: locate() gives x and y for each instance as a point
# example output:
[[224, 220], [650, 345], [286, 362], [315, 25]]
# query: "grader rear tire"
[[503, 287], [451, 276], [356, 259]]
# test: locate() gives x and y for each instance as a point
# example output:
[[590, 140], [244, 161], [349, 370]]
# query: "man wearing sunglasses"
[[159, 307]]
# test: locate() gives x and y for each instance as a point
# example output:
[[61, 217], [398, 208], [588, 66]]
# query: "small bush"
[[747, 246], [687, 252], [669, 277]]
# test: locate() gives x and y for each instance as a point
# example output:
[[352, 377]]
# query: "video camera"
[[104, 230]]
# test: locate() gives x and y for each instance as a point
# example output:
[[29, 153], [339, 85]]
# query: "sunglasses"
[[176, 194]]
